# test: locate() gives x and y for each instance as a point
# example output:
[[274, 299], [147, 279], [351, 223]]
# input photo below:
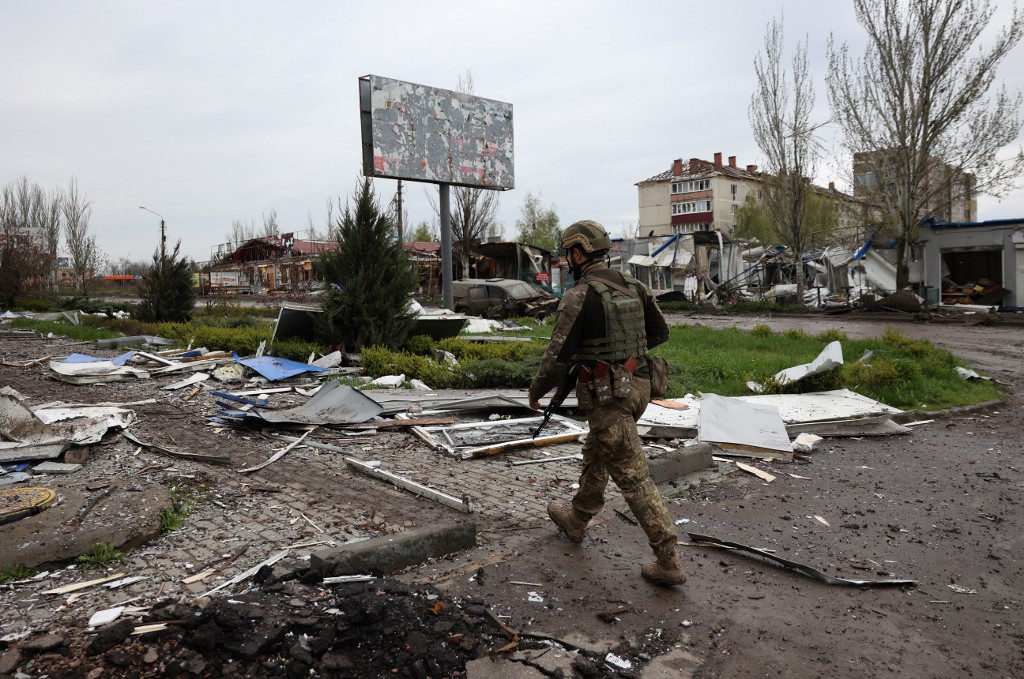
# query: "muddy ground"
[[941, 506]]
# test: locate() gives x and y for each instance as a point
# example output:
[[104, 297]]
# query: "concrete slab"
[[500, 668], [391, 553], [120, 519], [680, 462]]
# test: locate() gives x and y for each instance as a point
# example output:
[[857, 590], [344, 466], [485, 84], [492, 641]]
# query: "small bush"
[[880, 375], [761, 330], [421, 345], [13, 573], [911, 346], [832, 335], [795, 334], [492, 373]]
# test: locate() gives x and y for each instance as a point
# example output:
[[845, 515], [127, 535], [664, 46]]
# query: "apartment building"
[[695, 195], [951, 193]]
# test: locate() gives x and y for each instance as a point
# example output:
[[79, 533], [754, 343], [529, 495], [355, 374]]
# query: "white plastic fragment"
[[616, 661], [805, 442], [105, 616], [534, 597]]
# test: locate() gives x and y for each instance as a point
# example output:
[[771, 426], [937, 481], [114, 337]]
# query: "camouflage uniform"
[[613, 447]]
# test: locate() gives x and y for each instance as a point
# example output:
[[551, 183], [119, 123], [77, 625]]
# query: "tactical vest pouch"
[[622, 382], [584, 395], [603, 384], [658, 368]]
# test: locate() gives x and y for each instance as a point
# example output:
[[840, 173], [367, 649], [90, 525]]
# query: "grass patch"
[[904, 373], [184, 499], [15, 573], [101, 556]]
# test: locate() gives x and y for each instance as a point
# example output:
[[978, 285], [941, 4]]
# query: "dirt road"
[[941, 506]]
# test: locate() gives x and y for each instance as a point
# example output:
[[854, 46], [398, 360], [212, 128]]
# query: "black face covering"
[[575, 269]]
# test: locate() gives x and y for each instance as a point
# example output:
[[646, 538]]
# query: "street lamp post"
[[163, 234]]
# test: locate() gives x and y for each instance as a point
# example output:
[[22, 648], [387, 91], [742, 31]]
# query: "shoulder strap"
[[621, 288]]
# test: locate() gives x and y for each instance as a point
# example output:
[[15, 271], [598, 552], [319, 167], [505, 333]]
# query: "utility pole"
[[401, 228]]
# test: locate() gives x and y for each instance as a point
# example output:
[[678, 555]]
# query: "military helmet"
[[588, 234]]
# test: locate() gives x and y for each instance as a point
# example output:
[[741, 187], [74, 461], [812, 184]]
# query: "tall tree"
[[780, 112], [916, 108], [423, 233], [86, 257], [270, 225], [370, 279], [167, 288], [538, 225]]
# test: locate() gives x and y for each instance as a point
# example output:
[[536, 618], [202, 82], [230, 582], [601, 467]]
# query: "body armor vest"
[[624, 331]]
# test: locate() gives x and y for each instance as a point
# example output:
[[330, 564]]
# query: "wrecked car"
[[500, 298]]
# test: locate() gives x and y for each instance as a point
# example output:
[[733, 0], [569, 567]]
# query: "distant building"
[[695, 195], [952, 194], [269, 264]]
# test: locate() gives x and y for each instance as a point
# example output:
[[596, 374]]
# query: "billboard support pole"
[[446, 246]]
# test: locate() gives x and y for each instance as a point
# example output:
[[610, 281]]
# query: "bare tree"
[[780, 116], [86, 257], [29, 238], [270, 225], [916, 110]]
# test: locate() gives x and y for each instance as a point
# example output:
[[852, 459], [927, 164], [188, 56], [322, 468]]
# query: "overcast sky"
[[208, 112]]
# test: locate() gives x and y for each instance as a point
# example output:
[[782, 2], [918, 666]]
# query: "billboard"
[[427, 134]]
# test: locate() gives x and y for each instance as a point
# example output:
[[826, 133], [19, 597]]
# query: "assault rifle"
[[560, 394]]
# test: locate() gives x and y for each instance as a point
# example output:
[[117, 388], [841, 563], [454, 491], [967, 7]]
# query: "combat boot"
[[664, 573], [565, 518]]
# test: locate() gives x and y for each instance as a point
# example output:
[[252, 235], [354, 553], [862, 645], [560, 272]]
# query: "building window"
[[691, 186], [735, 209], [865, 179], [691, 207], [734, 189]]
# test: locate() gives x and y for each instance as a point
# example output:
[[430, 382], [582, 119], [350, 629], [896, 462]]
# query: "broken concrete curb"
[[679, 462], [390, 553], [912, 415], [54, 536]]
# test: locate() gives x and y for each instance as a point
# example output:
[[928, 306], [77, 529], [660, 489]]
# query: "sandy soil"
[[941, 506]]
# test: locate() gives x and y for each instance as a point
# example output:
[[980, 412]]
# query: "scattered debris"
[[760, 473], [810, 572], [831, 357], [806, 442], [84, 585], [213, 459]]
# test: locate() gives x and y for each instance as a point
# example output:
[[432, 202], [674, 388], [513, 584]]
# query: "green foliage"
[[906, 374], [421, 234], [495, 373], [465, 350], [375, 279], [761, 330], [421, 345], [167, 289], [102, 555], [170, 520], [752, 221], [538, 225], [15, 573], [795, 333], [831, 335]]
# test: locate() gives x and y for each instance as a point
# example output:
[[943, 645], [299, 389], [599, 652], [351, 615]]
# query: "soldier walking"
[[605, 326]]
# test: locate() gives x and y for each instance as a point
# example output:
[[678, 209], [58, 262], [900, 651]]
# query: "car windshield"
[[520, 290]]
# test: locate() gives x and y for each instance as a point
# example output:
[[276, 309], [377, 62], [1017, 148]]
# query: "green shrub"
[[911, 346], [880, 374], [13, 573], [761, 330], [831, 335], [493, 373], [795, 334], [421, 345]]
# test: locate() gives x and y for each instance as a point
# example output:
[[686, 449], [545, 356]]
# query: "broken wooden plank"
[[760, 473], [83, 585]]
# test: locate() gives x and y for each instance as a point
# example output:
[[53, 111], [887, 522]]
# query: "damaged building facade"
[[268, 264]]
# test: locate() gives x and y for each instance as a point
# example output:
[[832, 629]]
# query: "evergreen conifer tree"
[[167, 289], [369, 280]]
